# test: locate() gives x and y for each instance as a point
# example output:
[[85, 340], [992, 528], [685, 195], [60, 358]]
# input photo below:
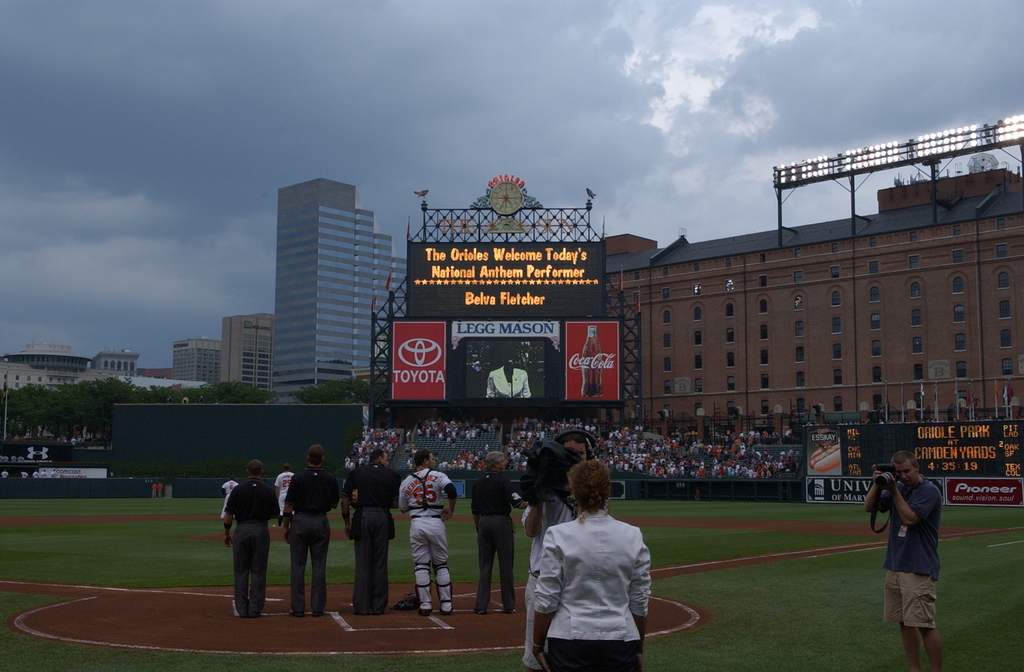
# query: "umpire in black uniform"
[[493, 501], [252, 504], [373, 490], [312, 493]]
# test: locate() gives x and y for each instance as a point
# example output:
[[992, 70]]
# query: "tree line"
[[86, 409]]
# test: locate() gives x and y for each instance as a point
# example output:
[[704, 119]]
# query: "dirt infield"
[[200, 620]]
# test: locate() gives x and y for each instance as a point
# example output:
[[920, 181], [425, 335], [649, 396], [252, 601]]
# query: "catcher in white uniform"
[[281, 483], [421, 496]]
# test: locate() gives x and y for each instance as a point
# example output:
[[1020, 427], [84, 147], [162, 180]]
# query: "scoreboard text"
[[989, 448], [508, 280]]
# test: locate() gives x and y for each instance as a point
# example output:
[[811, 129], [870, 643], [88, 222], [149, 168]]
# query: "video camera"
[[548, 463]]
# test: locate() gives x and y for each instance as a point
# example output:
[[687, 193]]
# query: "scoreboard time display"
[[506, 280], [990, 448]]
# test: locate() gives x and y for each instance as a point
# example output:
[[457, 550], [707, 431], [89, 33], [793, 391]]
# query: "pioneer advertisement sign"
[[984, 491]]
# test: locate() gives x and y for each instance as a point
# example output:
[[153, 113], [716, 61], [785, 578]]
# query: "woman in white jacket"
[[594, 584]]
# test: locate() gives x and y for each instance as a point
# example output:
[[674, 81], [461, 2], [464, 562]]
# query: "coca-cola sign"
[[418, 363], [592, 361]]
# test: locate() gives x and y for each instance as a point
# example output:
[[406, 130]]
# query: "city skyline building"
[[247, 350], [332, 264], [197, 359]]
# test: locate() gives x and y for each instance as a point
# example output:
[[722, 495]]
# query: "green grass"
[[798, 615]]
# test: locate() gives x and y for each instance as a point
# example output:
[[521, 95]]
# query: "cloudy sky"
[[142, 143]]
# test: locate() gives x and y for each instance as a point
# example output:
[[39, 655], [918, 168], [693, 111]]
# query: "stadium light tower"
[[927, 149]]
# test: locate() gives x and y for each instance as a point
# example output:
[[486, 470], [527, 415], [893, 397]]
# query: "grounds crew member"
[[422, 496], [252, 504], [372, 489], [312, 493]]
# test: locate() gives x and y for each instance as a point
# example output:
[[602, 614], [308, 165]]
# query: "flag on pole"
[[970, 400], [408, 229], [373, 301], [935, 401], [637, 308], [956, 397], [620, 279], [922, 397], [1006, 394], [903, 404], [995, 401], [387, 285], [5, 387], [602, 227]]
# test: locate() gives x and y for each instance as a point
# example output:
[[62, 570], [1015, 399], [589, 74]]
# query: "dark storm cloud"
[[143, 143]]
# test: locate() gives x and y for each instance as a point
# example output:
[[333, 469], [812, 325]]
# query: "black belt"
[[428, 515], [311, 513], [373, 508], [253, 522], [484, 515]]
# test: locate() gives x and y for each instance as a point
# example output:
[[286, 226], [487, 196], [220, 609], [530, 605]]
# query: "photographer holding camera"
[[912, 554]]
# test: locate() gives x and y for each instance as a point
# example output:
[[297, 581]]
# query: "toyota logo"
[[419, 352]]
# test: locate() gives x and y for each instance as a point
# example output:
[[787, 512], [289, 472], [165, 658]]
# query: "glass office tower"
[[331, 263]]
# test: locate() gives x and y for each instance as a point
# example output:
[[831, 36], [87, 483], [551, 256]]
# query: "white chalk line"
[[811, 553], [1009, 543]]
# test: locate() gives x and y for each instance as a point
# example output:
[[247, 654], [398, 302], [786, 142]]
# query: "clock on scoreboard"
[[989, 448]]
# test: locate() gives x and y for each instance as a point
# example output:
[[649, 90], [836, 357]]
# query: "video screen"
[[498, 368]]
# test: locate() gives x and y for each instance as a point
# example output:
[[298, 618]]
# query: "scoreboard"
[[505, 280], [955, 449]]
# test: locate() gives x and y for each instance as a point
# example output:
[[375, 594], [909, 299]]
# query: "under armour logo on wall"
[[37, 453]]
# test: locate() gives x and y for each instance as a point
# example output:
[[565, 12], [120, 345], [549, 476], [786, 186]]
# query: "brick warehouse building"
[[848, 317]]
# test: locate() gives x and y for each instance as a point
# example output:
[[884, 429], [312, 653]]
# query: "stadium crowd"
[[753, 454]]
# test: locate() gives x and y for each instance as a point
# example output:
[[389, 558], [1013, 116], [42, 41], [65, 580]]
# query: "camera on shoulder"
[[888, 475]]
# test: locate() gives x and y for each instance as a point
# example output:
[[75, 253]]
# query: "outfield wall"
[[76, 488], [624, 486], [199, 433]]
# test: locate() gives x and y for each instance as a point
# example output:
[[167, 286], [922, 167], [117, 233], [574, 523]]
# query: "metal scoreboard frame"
[[974, 463], [505, 279]]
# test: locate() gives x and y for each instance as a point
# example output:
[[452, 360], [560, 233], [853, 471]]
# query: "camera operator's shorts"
[[910, 599]]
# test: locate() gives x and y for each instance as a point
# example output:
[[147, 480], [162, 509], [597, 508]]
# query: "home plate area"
[[201, 620]]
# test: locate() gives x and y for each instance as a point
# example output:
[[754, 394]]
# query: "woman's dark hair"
[[590, 483]]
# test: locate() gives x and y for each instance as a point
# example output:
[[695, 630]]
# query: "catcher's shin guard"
[[444, 587], [422, 574]]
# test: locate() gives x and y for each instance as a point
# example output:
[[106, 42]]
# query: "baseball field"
[[145, 585]]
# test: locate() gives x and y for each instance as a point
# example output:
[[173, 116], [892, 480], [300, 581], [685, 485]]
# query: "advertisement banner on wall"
[[418, 360], [837, 490], [984, 492], [592, 361]]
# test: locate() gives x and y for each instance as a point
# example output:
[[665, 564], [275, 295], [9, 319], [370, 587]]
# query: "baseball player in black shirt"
[[252, 504], [312, 493], [493, 501]]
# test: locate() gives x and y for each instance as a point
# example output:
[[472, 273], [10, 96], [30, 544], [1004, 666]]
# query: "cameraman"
[[545, 488], [911, 556]]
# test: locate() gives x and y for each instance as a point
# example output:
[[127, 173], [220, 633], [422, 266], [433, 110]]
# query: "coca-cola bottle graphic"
[[591, 365]]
